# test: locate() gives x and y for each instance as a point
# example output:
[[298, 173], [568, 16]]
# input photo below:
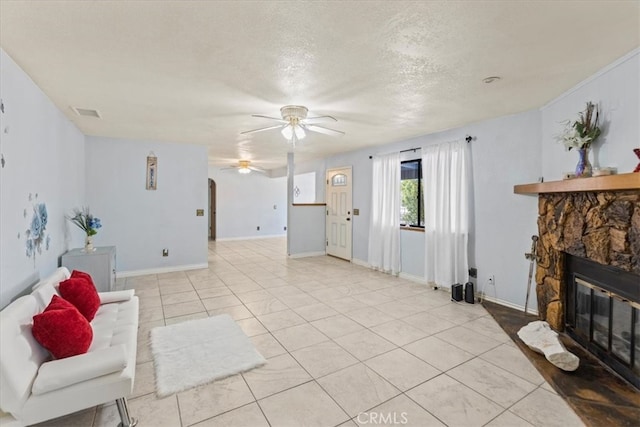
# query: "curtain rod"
[[468, 138]]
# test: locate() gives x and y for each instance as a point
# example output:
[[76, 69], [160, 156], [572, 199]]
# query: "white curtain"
[[384, 227], [446, 178]]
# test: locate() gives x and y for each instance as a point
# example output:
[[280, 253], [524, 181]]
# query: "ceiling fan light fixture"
[[295, 112], [295, 124], [300, 133], [287, 131], [243, 166]]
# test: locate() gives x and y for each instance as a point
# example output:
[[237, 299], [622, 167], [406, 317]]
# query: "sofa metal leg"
[[123, 410]]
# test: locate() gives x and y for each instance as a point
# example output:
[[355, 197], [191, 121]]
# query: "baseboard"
[[228, 239], [360, 263], [161, 270], [530, 310], [308, 254], [413, 278]]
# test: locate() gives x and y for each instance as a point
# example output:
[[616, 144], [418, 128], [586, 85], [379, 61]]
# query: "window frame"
[[419, 226]]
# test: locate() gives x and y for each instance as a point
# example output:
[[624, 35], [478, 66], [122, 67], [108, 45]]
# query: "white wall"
[[304, 185], [247, 201], [412, 254], [140, 222], [44, 155], [616, 89], [319, 168], [506, 151], [307, 229]]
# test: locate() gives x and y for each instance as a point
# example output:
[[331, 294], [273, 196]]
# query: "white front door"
[[338, 198]]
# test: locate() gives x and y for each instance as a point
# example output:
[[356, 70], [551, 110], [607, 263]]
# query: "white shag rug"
[[197, 352]]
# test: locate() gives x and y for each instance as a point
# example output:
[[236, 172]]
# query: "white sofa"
[[34, 388]]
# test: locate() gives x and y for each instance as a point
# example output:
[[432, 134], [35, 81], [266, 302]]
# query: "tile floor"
[[346, 346]]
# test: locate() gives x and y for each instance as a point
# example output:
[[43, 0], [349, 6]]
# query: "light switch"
[[356, 211], [199, 212]]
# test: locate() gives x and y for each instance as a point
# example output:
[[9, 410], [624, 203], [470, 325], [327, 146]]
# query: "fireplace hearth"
[[603, 314], [588, 264]]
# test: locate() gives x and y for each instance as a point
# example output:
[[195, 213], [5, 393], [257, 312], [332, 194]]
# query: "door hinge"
[[327, 242], [327, 212]]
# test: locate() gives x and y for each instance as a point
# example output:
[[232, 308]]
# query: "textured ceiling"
[[195, 71]]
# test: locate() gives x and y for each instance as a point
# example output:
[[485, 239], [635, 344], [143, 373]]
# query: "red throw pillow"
[[81, 274], [82, 294], [62, 330]]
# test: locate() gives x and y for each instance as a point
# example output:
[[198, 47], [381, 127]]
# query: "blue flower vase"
[[583, 168]]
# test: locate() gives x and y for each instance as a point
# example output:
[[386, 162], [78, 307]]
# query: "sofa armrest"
[[60, 373], [115, 296]]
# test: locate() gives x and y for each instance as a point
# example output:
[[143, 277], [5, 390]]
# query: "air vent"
[[86, 112]]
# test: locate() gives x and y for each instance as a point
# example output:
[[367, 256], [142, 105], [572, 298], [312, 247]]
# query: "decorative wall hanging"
[[35, 234], [152, 171]]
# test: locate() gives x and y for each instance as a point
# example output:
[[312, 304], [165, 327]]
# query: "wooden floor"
[[596, 394]]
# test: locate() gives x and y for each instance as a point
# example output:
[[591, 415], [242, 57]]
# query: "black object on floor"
[[456, 292], [468, 293]]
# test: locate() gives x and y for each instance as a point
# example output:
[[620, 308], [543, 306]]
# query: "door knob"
[[348, 219]]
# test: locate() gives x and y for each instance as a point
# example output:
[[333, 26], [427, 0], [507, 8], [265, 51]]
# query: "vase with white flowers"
[[87, 223], [580, 135]]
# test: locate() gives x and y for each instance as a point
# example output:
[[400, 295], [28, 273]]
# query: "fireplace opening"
[[603, 314]]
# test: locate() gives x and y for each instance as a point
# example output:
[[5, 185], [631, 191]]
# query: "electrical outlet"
[[258, 228], [165, 252], [473, 272], [285, 228]]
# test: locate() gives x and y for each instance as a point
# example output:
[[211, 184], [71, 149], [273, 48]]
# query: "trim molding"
[[161, 270], [360, 262], [270, 236], [413, 278], [307, 254], [509, 304]]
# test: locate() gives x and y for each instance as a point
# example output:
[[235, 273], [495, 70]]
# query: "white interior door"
[[339, 203]]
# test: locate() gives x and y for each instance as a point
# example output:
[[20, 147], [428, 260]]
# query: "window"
[[412, 202], [339, 180]]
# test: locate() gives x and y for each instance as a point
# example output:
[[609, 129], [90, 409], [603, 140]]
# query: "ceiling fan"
[[244, 166], [294, 123]]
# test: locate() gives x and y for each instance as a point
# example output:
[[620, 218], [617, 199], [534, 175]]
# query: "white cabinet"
[[100, 264]]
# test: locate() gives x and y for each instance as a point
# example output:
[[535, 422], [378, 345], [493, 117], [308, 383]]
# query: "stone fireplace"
[[588, 265], [600, 226]]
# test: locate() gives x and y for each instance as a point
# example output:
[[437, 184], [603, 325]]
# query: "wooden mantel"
[[625, 181]]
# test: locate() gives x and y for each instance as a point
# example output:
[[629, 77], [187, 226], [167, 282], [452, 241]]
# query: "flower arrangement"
[[581, 133], [85, 221]]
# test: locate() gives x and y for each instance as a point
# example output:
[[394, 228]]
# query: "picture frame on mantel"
[[152, 172]]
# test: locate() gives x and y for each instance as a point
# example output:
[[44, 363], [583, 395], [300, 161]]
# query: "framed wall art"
[[152, 172]]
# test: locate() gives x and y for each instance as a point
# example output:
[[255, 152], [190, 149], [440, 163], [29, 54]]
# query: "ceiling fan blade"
[[312, 120], [326, 131], [260, 129], [259, 170], [277, 119]]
